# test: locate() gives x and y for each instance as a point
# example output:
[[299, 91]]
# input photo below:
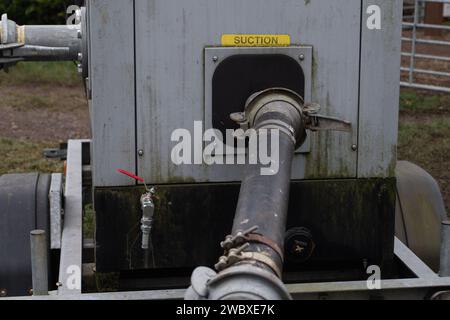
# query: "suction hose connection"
[[251, 268], [252, 265]]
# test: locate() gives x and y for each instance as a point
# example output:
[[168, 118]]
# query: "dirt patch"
[[44, 113]]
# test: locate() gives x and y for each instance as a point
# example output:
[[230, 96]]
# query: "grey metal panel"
[[112, 78], [380, 71], [170, 90], [71, 241]]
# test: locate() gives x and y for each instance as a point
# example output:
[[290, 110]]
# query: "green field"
[[39, 73]]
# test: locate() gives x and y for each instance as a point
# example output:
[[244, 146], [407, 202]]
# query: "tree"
[[36, 11]]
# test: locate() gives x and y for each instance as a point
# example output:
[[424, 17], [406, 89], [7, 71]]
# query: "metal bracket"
[[317, 122], [238, 239], [8, 60], [55, 153], [234, 245], [313, 120], [56, 200]]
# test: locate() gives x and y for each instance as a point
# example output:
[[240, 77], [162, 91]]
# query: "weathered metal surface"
[[420, 211], [72, 234], [401, 289], [379, 91], [55, 197], [170, 75], [398, 289], [39, 262], [351, 220], [213, 58], [112, 83]]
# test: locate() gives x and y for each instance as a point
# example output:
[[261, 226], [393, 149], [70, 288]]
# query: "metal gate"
[[425, 57]]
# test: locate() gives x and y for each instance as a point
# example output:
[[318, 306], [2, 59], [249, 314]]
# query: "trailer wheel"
[[420, 212], [24, 206]]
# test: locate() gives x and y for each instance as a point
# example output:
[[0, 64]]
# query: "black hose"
[[264, 199]]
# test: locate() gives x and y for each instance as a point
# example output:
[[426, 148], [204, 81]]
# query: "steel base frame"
[[426, 284]]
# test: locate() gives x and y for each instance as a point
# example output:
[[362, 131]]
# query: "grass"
[[89, 222], [424, 135], [38, 73], [44, 97], [18, 156], [426, 143], [22, 100], [411, 100]]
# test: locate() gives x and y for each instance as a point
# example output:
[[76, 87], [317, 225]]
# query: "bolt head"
[[141, 153], [238, 117], [80, 56], [215, 58], [301, 57], [3, 292], [354, 147]]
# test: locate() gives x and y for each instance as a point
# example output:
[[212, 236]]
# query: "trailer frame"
[[425, 284]]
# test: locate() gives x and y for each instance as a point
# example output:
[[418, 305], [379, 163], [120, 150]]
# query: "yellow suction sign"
[[256, 40]]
